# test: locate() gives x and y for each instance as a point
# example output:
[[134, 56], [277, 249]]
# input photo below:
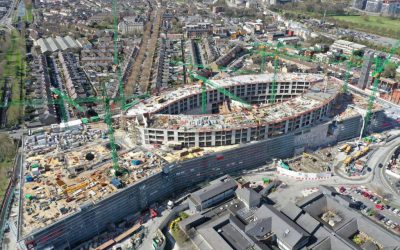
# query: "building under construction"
[[302, 101], [69, 190]]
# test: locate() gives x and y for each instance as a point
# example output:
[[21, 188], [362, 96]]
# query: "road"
[[382, 155], [6, 19]]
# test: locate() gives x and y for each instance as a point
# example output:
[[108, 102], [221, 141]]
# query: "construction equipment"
[[72, 189], [376, 74], [63, 110], [108, 121], [347, 75], [348, 160], [343, 147], [116, 61], [272, 97], [348, 149]]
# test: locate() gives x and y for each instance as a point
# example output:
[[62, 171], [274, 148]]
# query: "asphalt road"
[[382, 155]]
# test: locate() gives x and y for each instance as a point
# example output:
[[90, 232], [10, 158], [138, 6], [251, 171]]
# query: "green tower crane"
[[379, 67]]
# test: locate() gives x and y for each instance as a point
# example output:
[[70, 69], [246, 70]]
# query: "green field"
[[28, 11], [7, 154], [14, 70], [383, 26]]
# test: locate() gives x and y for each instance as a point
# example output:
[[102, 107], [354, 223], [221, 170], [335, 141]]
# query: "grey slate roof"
[[248, 196], [259, 228], [308, 199], [286, 230], [292, 211], [308, 223], [215, 188], [54, 44]]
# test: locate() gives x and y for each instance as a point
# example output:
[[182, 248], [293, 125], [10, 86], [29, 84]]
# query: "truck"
[[348, 160], [348, 149], [343, 147]]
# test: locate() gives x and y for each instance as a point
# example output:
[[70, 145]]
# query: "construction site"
[[71, 184], [303, 100], [57, 182], [311, 162]]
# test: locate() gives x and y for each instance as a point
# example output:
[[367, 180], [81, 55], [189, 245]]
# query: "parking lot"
[[371, 205]]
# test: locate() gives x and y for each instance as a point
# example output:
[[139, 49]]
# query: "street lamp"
[[363, 113]]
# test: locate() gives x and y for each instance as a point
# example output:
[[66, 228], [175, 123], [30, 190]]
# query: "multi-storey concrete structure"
[[91, 218], [299, 126], [304, 100]]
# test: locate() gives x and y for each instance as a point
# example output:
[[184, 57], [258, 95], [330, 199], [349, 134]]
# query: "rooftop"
[[66, 170], [318, 95]]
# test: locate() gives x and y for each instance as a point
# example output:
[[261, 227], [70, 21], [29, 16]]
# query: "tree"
[[7, 147], [390, 70]]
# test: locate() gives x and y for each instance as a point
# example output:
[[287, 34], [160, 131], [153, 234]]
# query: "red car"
[[379, 206], [366, 195], [342, 189]]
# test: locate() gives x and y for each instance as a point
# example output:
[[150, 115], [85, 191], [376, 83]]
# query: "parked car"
[[379, 206]]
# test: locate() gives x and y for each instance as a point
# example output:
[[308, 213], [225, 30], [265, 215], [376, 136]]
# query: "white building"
[[346, 47], [131, 25]]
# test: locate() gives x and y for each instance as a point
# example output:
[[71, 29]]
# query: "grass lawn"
[[7, 153], [5, 166], [374, 24], [28, 11], [14, 70]]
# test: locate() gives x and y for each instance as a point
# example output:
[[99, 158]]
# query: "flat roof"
[[215, 188], [319, 94], [69, 178]]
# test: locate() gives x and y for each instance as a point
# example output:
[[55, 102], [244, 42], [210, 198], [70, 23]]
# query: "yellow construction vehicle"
[[348, 160], [343, 147], [348, 149], [71, 189]]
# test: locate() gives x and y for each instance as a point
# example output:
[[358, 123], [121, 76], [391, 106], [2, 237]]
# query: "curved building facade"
[[301, 100]]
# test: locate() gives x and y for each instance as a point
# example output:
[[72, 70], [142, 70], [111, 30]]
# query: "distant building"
[[390, 7], [374, 6], [363, 81], [346, 47], [386, 7], [273, 36], [289, 40], [359, 4], [50, 44], [198, 30], [131, 25]]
